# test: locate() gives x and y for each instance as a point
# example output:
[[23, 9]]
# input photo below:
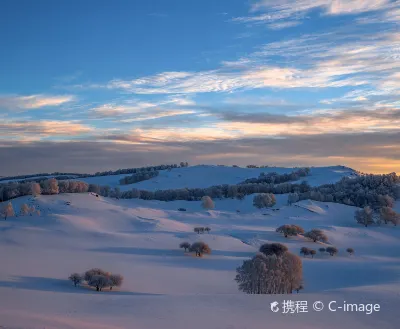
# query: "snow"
[[203, 176], [166, 288]]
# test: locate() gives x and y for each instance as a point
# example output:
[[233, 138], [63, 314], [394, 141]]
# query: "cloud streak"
[[30, 102]]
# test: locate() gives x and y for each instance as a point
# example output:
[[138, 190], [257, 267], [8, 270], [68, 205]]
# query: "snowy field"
[[164, 288]]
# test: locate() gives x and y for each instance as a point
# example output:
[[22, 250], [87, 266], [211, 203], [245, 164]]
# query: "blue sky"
[[294, 82]]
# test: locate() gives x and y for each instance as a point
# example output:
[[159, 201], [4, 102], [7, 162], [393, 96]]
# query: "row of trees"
[[272, 271], [275, 178], [7, 210], [331, 250], [138, 177], [97, 278], [199, 230]]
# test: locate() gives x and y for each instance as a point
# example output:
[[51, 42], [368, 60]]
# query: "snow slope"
[[166, 288], [206, 175]]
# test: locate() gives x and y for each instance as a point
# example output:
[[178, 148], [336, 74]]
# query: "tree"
[[25, 209], [89, 274], [277, 249], [312, 253], [197, 230], [7, 210], [115, 280], [264, 200], [332, 250], [51, 186], [201, 229], [207, 202], [293, 198], [200, 248], [270, 274], [99, 282], [350, 251], [322, 250], [185, 245], [207, 229], [35, 189], [364, 216], [387, 214], [316, 235], [76, 278], [305, 251], [290, 230]]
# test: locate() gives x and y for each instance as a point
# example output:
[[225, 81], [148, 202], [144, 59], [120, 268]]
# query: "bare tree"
[[76, 278], [332, 250], [207, 202], [200, 248], [277, 249], [185, 245], [316, 235]]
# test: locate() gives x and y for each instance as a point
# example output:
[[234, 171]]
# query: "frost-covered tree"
[[99, 282], [207, 202], [185, 245], [270, 274], [293, 198], [264, 200], [115, 280], [35, 189], [290, 230], [277, 249], [316, 235], [7, 210], [50, 186], [200, 248], [364, 216], [332, 250], [305, 251], [76, 278], [387, 214], [350, 251], [94, 271], [25, 209]]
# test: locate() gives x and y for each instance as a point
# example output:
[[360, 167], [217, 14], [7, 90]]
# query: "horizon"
[[90, 86]]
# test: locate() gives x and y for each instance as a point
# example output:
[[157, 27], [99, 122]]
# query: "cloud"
[[287, 13], [41, 129], [374, 152], [33, 101]]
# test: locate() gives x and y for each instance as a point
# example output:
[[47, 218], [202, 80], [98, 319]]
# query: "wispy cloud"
[[33, 101]]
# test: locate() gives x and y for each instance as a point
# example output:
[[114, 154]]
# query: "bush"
[[316, 235], [277, 249], [76, 278], [200, 248], [185, 245], [332, 250], [207, 202], [305, 251], [350, 251], [264, 200], [290, 230], [270, 274]]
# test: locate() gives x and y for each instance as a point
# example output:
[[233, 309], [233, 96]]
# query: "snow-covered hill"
[[206, 175], [163, 287]]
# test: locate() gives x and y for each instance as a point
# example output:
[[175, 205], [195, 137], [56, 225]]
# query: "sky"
[[99, 85]]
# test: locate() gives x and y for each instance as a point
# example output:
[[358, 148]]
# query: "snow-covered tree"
[[316, 235], [50, 186], [364, 216], [387, 214], [115, 280], [25, 210], [7, 210], [207, 202], [35, 189], [76, 278], [332, 250], [99, 282], [290, 230], [305, 251], [264, 200], [293, 198]]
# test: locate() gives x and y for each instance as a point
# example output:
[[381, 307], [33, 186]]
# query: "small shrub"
[[277, 249], [332, 250], [200, 248], [350, 251], [76, 278], [185, 245], [316, 235]]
